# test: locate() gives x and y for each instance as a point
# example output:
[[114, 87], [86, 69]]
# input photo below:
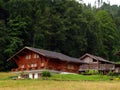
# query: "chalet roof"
[[50, 54], [96, 58]]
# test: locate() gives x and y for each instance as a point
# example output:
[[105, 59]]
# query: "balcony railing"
[[22, 69], [97, 67]]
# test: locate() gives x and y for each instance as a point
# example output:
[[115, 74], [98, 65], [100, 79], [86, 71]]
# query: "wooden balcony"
[[23, 69], [107, 67], [97, 67]]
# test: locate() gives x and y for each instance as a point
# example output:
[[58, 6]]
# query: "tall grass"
[[72, 82], [6, 75], [77, 77], [58, 85]]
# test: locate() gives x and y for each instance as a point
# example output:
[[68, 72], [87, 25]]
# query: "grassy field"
[[6, 75], [58, 85], [75, 83], [76, 77]]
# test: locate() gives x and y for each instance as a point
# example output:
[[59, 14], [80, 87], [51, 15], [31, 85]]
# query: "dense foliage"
[[59, 25], [46, 74]]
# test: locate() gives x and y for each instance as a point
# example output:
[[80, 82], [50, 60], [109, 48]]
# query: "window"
[[70, 67], [34, 65], [42, 64], [28, 57], [31, 65], [22, 66], [28, 65], [36, 55], [94, 60]]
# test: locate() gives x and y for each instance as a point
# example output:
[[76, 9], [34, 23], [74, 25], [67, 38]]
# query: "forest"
[[65, 26]]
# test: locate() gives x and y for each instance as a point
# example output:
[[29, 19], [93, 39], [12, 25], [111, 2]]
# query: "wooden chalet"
[[96, 63], [33, 61]]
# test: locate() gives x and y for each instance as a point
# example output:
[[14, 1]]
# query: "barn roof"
[[50, 54], [96, 58]]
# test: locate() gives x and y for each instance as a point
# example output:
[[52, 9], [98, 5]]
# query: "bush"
[[113, 74], [91, 72], [46, 74], [110, 73], [116, 79]]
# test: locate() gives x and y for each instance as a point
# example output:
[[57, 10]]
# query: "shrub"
[[113, 74], [110, 73], [116, 79], [22, 73], [91, 72], [46, 74]]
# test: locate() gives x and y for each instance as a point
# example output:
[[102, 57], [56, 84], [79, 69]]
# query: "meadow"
[[58, 85], [59, 82]]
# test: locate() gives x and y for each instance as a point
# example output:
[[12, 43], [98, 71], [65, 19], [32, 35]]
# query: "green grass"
[[60, 82], [58, 85], [80, 77], [7, 75], [63, 77]]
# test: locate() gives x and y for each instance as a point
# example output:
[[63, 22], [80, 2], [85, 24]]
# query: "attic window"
[[28, 57], [36, 55], [94, 60]]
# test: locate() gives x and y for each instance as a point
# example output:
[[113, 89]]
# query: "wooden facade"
[[96, 63], [29, 59], [33, 61]]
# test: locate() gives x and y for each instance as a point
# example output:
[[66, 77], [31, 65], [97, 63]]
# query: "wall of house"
[[63, 66], [32, 61], [88, 59], [96, 65]]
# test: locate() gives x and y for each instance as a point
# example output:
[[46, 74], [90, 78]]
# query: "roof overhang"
[[74, 60], [96, 58]]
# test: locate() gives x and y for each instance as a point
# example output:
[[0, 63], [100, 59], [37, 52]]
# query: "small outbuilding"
[[96, 63]]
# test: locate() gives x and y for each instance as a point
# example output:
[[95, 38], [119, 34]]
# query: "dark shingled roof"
[[51, 54], [96, 57]]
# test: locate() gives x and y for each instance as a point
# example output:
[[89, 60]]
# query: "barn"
[[96, 63]]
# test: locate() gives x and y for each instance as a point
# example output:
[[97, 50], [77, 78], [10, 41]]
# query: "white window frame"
[[34, 65], [28, 57], [42, 64], [36, 55]]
